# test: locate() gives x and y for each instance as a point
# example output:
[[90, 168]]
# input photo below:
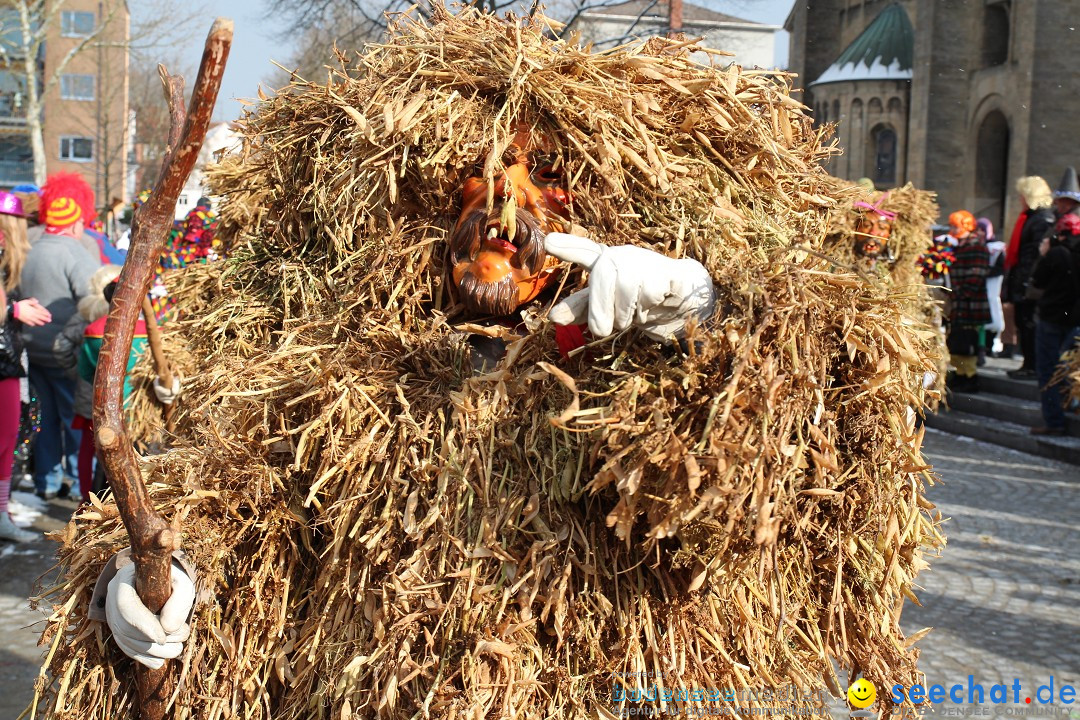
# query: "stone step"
[[995, 381], [1009, 408], [1006, 434]]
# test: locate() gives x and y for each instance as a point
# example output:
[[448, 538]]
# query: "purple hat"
[[10, 205]]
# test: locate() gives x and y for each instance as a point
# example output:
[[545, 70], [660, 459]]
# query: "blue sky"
[[257, 41]]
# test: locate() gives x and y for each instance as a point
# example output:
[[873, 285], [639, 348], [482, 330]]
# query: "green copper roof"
[[890, 38]]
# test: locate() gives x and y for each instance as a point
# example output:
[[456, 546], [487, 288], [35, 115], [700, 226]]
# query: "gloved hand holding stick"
[[152, 540]]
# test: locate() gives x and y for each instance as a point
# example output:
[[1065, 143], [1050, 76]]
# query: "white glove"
[[148, 638], [630, 285], [165, 395]]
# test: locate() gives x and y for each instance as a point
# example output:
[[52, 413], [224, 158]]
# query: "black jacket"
[[1038, 225], [11, 342], [1057, 276]]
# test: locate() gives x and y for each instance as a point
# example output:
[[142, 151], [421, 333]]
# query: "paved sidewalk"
[[20, 568], [1004, 598]]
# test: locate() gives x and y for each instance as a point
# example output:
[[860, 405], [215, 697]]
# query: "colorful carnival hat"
[[62, 212], [1069, 186], [10, 204], [963, 220], [71, 186], [30, 196]]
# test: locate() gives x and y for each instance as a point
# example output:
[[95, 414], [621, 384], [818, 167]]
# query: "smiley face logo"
[[862, 693]]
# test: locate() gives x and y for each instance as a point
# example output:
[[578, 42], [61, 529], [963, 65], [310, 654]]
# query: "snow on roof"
[[883, 51]]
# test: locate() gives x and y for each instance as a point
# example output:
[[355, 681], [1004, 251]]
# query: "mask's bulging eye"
[[546, 175]]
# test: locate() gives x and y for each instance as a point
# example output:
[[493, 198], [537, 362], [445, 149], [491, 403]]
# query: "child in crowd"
[[68, 349], [996, 248]]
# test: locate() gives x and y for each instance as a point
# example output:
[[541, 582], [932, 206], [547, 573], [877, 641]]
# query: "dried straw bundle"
[[385, 534], [1069, 371], [916, 210], [197, 286]]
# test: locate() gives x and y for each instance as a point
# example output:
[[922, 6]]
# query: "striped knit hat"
[[62, 212], [66, 186]]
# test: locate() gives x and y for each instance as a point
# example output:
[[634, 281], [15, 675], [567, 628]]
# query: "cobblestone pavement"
[[1004, 598]]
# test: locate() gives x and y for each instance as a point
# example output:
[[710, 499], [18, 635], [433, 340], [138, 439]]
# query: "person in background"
[[1067, 195], [1036, 220], [68, 350], [107, 252], [73, 186], [57, 273], [1055, 285], [985, 230], [970, 304], [13, 314], [113, 222]]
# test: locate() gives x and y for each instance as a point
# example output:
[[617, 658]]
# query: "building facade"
[[753, 44], [960, 97], [16, 157], [82, 79]]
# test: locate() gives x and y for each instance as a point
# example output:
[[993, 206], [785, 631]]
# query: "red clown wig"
[[68, 185]]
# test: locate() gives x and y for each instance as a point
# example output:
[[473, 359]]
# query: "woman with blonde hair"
[[1035, 222], [13, 314]]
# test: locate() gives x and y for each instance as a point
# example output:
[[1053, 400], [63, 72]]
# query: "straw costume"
[[379, 531], [883, 235]]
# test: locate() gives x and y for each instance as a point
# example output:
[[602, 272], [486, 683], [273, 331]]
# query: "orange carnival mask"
[[872, 231], [498, 259]]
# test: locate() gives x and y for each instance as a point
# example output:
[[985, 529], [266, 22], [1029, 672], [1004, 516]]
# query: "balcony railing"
[[16, 172], [10, 113]]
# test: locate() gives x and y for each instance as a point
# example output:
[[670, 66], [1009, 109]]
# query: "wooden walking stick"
[[153, 339], [157, 351], [152, 540]]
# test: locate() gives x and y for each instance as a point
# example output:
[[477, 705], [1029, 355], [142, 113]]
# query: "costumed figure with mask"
[[528, 373]]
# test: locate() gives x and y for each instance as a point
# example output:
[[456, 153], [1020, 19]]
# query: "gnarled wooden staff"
[[152, 540], [161, 362]]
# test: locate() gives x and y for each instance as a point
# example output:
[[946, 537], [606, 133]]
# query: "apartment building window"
[[74, 23], [77, 87], [76, 149]]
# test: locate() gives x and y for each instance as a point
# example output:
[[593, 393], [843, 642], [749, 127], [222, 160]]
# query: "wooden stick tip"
[[222, 25]]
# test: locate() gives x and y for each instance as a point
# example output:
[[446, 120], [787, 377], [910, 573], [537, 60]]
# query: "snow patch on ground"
[[25, 508]]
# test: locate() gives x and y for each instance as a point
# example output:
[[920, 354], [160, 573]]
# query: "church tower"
[[960, 97]]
